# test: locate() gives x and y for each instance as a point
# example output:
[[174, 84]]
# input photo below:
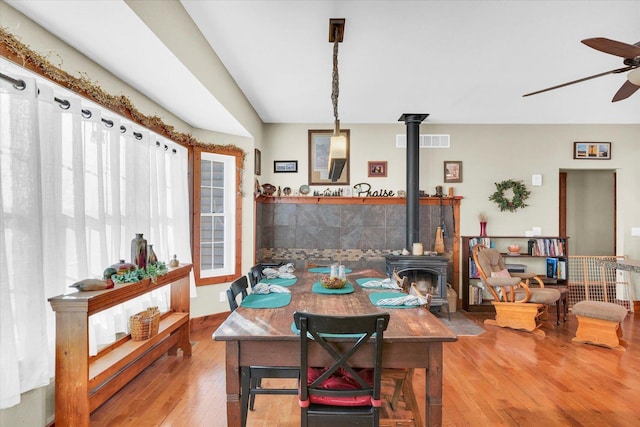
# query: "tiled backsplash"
[[358, 235]]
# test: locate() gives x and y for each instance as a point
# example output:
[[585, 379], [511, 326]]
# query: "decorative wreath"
[[520, 194]]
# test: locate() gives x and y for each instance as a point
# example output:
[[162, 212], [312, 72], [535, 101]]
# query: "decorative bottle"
[[153, 258], [139, 251], [174, 262]]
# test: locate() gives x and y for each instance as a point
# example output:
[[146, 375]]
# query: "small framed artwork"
[[377, 169], [258, 161], [452, 171], [592, 150], [285, 166]]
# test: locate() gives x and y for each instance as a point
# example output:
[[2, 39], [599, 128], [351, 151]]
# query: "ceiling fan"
[[631, 55]]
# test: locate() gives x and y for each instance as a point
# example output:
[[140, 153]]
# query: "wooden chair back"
[[320, 334], [402, 281], [237, 287], [255, 275], [487, 260]]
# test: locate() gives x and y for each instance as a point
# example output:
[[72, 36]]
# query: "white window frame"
[[229, 215]]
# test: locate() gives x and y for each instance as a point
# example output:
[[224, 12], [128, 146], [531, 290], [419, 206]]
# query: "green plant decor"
[[520, 194], [152, 271]]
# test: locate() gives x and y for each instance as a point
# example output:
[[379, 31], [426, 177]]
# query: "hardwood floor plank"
[[499, 378]]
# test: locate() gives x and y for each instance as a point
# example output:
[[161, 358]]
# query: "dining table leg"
[[232, 375], [433, 384]]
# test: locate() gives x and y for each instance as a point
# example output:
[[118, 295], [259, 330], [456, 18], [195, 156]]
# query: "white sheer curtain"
[[74, 190]]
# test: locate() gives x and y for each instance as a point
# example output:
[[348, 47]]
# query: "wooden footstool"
[[599, 324]]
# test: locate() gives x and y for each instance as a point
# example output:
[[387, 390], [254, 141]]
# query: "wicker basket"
[[145, 324]]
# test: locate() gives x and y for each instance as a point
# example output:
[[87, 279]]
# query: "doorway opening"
[[588, 210]]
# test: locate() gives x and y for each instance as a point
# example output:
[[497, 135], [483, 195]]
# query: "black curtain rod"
[[20, 84]]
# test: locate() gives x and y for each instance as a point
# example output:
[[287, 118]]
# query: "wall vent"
[[426, 141]]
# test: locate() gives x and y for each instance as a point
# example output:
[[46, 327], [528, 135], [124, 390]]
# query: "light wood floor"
[[500, 378]]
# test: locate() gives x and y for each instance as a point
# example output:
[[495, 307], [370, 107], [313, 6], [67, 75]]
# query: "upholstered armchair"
[[518, 305]]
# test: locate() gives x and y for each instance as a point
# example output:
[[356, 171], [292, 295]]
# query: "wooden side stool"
[[599, 324]]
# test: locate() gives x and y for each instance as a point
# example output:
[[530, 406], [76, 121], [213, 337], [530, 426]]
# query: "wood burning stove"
[[429, 273]]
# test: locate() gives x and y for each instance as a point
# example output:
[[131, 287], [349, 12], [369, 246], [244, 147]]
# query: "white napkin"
[[409, 300], [287, 268], [384, 283], [283, 272], [264, 288]]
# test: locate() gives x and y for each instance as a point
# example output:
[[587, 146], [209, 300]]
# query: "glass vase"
[[483, 229], [152, 258]]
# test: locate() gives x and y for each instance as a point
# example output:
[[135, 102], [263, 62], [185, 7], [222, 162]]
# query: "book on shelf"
[[557, 268], [486, 241], [562, 269], [473, 270], [475, 293], [552, 268], [546, 247]]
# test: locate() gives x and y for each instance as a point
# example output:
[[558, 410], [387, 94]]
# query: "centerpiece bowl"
[[332, 282]]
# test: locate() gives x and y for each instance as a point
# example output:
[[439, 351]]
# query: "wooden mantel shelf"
[[334, 200]]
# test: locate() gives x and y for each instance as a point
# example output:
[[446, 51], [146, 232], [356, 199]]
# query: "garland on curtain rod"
[[16, 51]]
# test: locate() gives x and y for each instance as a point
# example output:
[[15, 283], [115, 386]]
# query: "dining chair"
[[237, 287], [340, 394], [252, 376], [255, 275]]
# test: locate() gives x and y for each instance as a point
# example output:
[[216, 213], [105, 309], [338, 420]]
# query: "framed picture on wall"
[[592, 150], [452, 171], [285, 166], [319, 142], [258, 161], [377, 169]]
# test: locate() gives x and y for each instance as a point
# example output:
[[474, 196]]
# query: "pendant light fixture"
[[338, 144]]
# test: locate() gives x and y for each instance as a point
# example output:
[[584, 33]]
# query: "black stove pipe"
[[412, 122]]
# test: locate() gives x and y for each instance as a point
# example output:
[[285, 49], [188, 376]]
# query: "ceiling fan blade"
[[625, 91], [617, 70], [613, 47]]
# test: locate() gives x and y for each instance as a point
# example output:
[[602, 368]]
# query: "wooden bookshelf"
[[501, 243]]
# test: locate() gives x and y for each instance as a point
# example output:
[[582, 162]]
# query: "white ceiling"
[[459, 61]]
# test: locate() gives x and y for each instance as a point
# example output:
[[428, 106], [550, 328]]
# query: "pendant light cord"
[[335, 81]]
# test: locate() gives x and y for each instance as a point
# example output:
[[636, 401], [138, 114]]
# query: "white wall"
[[490, 154]]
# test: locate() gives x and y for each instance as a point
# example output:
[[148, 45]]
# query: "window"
[[217, 216]]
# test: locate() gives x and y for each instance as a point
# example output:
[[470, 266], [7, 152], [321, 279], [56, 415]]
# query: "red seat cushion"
[[341, 380]]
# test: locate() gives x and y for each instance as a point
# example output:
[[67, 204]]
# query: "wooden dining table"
[[264, 336]]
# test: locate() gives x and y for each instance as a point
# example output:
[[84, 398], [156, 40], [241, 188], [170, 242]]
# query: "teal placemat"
[[377, 296], [361, 281], [280, 282], [319, 289], [326, 270], [266, 300]]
